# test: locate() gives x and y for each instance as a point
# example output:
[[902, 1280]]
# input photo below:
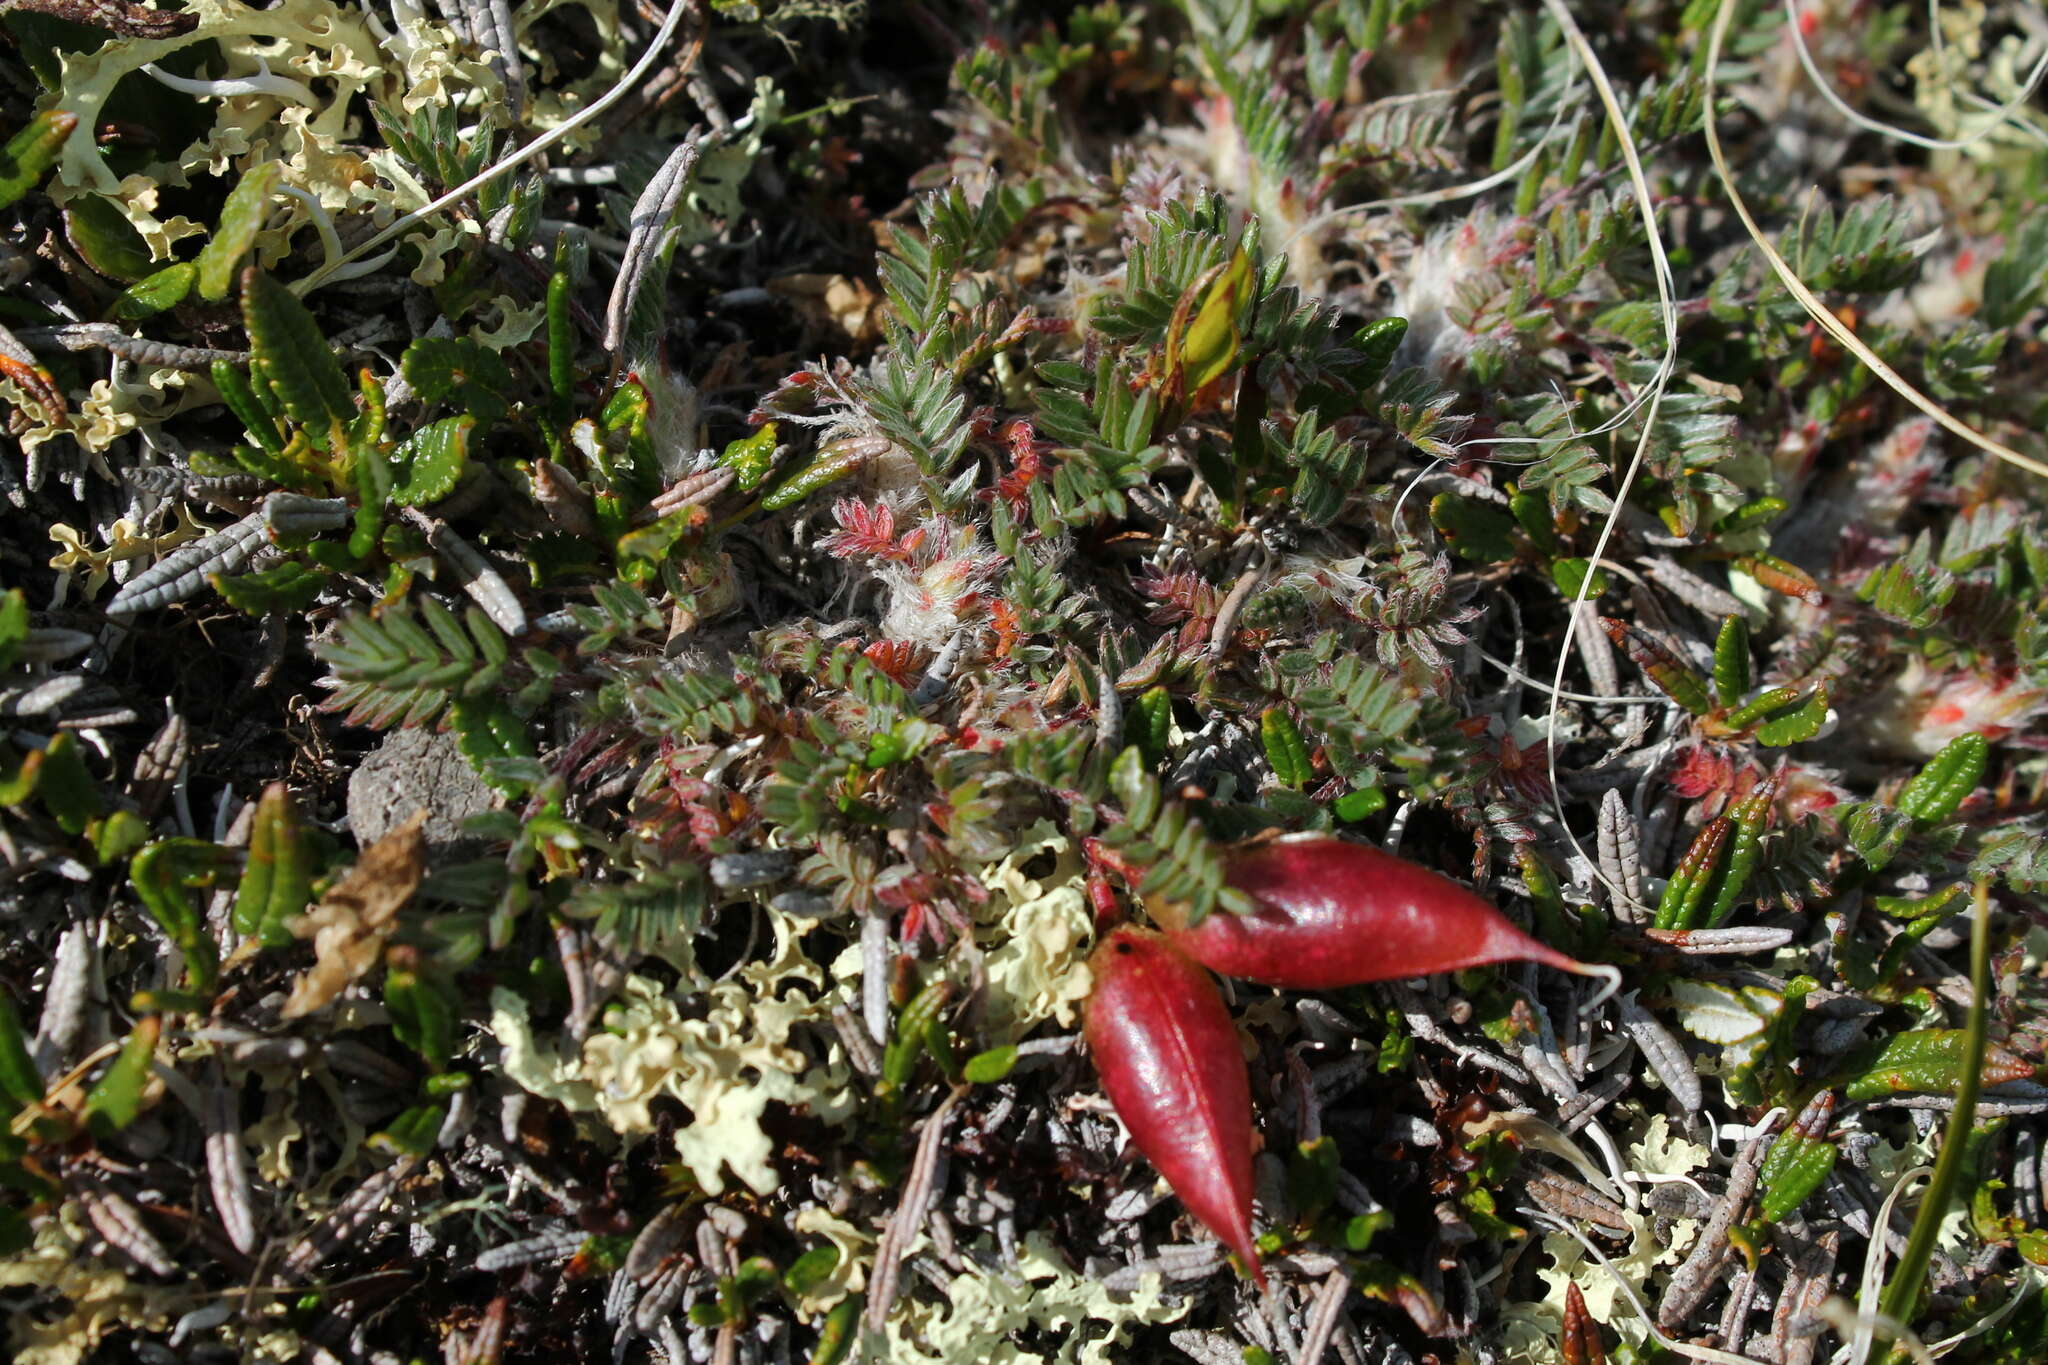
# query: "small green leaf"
[[1532, 513], [1360, 1231], [1285, 748], [1204, 349], [1149, 723], [20, 1083], [1938, 790], [486, 731], [106, 239], [1928, 1061], [1312, 1176], [1360, 804], [238, 390], [837, 1337], [116, 837], [1376, 343], [1732, 675], [429, 463], [461, 371], [561, 334], [425, 1009], [644, 549], [1476, 530], [986, 1068], [277, 881], [152, 294], [412, 1133], [1875, 832], [1797, 1164], [19, 773], [163, 873], [1570, 575], [627, 461], [753, 456], [1752, 514], [1136, 790], [293, 355], [66, 788], [116, 1100], [815, 1266], [32, 151], [13, 625], [241, 218], [821, 472], [289, 587], [1798, 724]]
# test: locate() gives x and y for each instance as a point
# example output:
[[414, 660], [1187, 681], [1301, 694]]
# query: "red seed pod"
[[1332, 913], [1167, 1054]]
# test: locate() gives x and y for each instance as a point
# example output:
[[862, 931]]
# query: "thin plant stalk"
[[1904, 1289]]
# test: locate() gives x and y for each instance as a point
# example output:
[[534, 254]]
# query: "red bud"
[[1167, 1054], [1332, 913]]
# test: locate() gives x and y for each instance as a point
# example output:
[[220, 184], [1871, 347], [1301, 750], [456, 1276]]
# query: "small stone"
[[410, 769]]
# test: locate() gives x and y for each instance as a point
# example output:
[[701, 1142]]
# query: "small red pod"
[[1332, 913], [1167, 1054]]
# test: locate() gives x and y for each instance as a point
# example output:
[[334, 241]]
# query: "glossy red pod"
[[1166, 1051], [1332, 913]]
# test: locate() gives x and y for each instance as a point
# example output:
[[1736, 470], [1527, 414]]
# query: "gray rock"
[[411, 769]]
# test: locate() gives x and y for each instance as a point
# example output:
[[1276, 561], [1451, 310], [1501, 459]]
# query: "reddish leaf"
[[1333, 913], [1167, 1054]]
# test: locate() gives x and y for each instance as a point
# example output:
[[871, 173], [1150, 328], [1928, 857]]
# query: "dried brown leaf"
[[349, 925]]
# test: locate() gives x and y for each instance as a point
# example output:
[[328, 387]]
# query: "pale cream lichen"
[[96, 1299], [1036, 933], [724, 1051], [1082, 1322], [126, 541]]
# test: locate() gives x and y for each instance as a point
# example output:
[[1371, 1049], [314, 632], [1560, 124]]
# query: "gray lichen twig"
[[919, 1190], [184, 571], [227, 1167], [479, 578], [652, 214], [1324, 1317], [1665, 1054], [347, 1219], [1694, 1279]]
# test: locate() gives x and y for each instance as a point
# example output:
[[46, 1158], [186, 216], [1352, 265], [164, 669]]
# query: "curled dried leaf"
[[349, 925]]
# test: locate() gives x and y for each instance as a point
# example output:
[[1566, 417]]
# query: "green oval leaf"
[[293, 355], [1475, 529], [102, 234], [1570, 576], [431, 460], [1797, 725], [152, 294], [986, 1068], [241, 218]]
